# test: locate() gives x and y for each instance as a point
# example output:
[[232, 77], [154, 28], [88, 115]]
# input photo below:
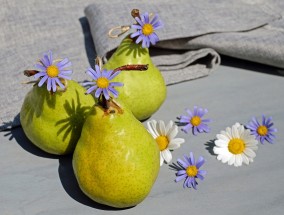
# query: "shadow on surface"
[[88, 40], [71, 186], [209, 146], [20, 137], [249, 65]]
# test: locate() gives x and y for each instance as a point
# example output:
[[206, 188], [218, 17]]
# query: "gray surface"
[[33, 182]]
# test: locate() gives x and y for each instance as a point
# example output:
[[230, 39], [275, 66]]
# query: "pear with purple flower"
[[116, 160], [54, 110], [143, 92]]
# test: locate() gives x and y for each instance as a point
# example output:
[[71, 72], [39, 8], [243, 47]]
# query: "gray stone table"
[[34, 182]]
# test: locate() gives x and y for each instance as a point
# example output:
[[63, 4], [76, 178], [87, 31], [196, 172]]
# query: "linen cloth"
[[194, 33]]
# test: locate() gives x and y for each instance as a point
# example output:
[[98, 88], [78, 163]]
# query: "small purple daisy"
[[102, 83], [146, 30], [262, 131], [51, 70], [190, 171], [194, 121]]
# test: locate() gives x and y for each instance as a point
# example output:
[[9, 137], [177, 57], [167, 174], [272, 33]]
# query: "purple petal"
[[42, 80], [65, 66], [113, 91], [49, 84], [202, 172], [40, 66], [200, 162], [184, 164], [92, 73], [192, 160], [91, 89], [116, 84], [114, 75], [139, 39], [105, 93], [181, 172], [181, 177], [139, 21], [40, 74], [135, 34], [201, 177], [53, 85], [186, 182], [64, 76], [98, 92], [194, 130], [139, 27], [59, 83]]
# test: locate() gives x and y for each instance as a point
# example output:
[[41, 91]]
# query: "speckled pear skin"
[[54, 122], [116, 160], [143, 91]]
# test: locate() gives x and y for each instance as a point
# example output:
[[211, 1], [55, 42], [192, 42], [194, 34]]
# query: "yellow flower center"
[[236, 146], [102, 82], [195, 120], [163, 142], [147, 29], [262, 130], [191, 171], [52, 71]]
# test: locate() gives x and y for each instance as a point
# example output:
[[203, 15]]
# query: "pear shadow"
[[88, 41], [18, 134], [72, 125], [209, 146], [71, 186]]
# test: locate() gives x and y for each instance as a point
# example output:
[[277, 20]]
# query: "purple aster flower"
[[262, 131], [190, 171], [51, 70], [194, 121], [101, 83], [146, 30]]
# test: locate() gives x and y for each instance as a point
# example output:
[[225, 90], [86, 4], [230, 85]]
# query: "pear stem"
[[30, 73], [135, 13], [137, 67]]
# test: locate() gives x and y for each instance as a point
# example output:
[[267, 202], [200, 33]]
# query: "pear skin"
[[144, 91], [53, 122], [116, 161]]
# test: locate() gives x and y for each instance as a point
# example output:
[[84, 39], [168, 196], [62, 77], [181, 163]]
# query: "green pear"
[[116, 160], [143, 91], [53, 122]]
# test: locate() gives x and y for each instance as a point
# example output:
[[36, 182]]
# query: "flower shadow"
[[209, 146], [131, 49], [71, 186], [72, 125]]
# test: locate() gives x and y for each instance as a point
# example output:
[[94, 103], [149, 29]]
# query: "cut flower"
[[194, 121], [52, 70], [101, 83], [165, 138], [146, 30], [190, 171], [235, 146], [262, 131]]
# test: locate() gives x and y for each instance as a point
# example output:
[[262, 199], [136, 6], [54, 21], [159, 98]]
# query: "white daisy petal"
[[178, 140], [152, 128], [226, 158], [169, 126], [173, 145], [162, 128], [245, 159], [167, 155], [223, 137], [173, 132], [232, 160], [249, 152], [161, 159], [239, 160], [235, 132], [221, 143]]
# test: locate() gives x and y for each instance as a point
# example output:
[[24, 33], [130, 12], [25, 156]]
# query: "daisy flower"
[[236, 145], [52, 70], [165, 138], [262, 131], [146, 30], [101, 83], [194, 121], [190, 171]]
